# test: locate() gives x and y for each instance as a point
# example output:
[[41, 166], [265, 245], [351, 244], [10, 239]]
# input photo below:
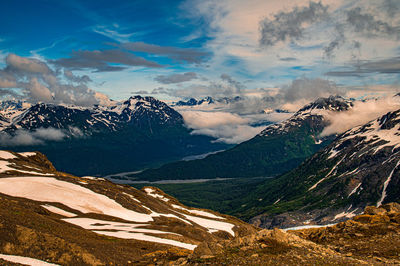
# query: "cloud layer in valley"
[[361, 113], [225, 127], [39, 136]]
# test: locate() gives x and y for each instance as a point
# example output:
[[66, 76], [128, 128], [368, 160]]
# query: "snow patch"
[[345, 214], [89, 177], [197, 212], [330, 172], [211, 224], [5, 155], [58, 211], [74, 196], [151, 193], [307, 227], [132, 197], [96, 224], [385, 185], [354, 190], [143, 237], [25, 260]]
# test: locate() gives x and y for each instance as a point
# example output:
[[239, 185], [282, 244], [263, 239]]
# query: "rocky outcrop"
[[369, 239]]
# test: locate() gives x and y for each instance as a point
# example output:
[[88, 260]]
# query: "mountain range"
[[208, 100], [123, 136], [277, 149]]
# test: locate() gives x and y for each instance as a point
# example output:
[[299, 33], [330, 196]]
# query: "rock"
[[205, 248], [180, 261], [372, 219], [371, 210], [395, 218], [206, 257], [392, 207], [254, 255]]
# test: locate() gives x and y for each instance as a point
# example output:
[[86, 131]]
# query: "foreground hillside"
[[277, 149], [63, 219], [372, 238]]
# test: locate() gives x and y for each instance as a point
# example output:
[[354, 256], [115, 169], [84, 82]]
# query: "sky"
[[274, 53]]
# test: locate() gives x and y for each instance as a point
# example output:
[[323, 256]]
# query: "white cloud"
[[231, 134], [200, 119], [361, 113], [39, 92], [23, 137], [34, 79], [26, 65], [225, 126]]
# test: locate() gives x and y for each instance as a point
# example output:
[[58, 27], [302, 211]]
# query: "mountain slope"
[[372, 238], [57, 217], [125, 136], [277, 149], [360, 168]]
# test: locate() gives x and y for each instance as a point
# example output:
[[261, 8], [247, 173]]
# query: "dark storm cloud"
[[161, 90], [367, 24], [101, 61], [308, 89], [74, 78], [176, 78], [384, 66], [4, 92], [344, 27], [289, 26], [287, 59], [180, 54], [391, 7], [235, 85], [140, 92]]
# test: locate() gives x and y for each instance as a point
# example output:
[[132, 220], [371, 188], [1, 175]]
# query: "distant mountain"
[[142, 112], [360, 168], [125, 136], [68, 220], [193, 102], [278, 148], [208, 100]]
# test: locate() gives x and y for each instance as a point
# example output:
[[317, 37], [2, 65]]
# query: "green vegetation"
[[248, 197], [260, 156], [224, 196]]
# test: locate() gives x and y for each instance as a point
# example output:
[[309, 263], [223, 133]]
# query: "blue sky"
[[172, 49]]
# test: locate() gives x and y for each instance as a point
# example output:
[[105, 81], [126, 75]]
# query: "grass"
[[224, 196]]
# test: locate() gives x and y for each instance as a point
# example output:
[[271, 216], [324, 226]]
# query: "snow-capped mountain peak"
[[331, 103], [312, 114]]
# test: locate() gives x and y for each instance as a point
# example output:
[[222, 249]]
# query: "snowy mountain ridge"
[[17, 115], [314, 112]]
